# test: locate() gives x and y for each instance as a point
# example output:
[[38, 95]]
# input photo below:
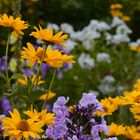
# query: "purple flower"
[[113, 138], [79, 123], [28, 73], [6, 107], [44, 69], [59, 74], [2, 63]]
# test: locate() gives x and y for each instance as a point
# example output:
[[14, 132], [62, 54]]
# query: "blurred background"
[[105, 63]]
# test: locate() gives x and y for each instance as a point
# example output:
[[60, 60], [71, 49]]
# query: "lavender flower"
[[2, 63], [6, 107], [80, 123]]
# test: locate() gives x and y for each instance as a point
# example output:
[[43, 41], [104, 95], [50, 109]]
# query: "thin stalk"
[[50, 87], [38, 71], [6, 53]]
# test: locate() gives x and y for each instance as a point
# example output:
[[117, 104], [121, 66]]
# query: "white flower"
[[102, 26], [70, 44], [53, 26], [67, 28], [103, 57], [123, 29], [116, 22], [108, 79], [120, 38], [85, 61]]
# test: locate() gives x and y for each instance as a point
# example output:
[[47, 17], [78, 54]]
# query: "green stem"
[[38, 71], [50, 87], [6, 70]]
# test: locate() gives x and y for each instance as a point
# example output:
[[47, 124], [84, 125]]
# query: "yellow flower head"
[[31, 54], [25, 81], [16, 24], [109, 106], [135, 109], [116, 130], [133, 132], [135, 48], [17, 128], [126, 18], [132, 97], [56, 59], [137, 85], [47, 118], [116, 13], [49, 94], [116, 6], [47, 35]]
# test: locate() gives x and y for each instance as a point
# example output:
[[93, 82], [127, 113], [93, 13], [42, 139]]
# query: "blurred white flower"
[[120, 38], [103, 57], [85, 61], [123, 29], [116, 22], [53, 26]]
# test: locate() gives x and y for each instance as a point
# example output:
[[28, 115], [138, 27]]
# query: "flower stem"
[[38, 71], [50, 86], [6, 53]]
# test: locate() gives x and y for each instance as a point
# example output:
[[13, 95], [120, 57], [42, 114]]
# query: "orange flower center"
[[137, 99], [23, 126]]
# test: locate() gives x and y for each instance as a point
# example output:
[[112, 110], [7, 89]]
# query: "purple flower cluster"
[[78, 123], [6, 107]]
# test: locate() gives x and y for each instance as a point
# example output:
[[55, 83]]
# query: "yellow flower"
[[126, 18], [17, 128], [135, 109], [109, 106], [47, 35], [47, 118], [116, 6], [133, 132], [54, 58], [116, 13], [116, 130], [25, 81], [16, 24], [135, 48], [49, 94], [137, 85], [132, 97], [31, 54]]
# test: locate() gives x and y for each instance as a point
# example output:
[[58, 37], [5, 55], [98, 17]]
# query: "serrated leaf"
[[3, 76], [17, 76]]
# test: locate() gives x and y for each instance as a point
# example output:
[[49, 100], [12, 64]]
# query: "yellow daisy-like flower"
[[31, 54], [135, 109], [25, 81], [49, 94], [131, 97], [133, 132], [137, 85], [16, 24], [116, 13], [47, 118], [116, 130], [56, 59], [47, 35], [116, 6], [135, 48], [109, 106], [17, 128], [126, 18]]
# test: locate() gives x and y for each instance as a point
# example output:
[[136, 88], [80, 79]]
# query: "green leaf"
[[17, 76], [3, 76]]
